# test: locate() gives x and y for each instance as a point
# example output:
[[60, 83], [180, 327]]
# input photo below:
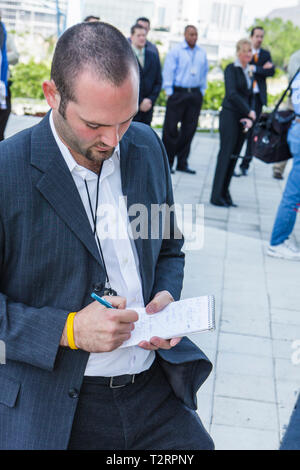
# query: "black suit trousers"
[[248, 154], [144, 117], [182, 107], [231, 142]]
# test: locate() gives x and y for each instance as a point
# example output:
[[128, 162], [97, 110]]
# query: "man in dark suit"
[[66, 383], [262, 67], [150, 74], [145, 22]]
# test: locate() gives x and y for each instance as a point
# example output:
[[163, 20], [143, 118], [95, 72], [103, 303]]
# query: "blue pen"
[[102, 301]]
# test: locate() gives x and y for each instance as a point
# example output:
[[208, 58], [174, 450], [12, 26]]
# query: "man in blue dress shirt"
[[184, 80]]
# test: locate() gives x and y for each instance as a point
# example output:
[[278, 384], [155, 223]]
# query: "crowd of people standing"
[[184, 79]]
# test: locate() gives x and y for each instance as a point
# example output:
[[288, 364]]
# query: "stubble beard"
[[97, 156]]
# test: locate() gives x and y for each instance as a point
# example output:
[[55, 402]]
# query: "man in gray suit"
[[66, 383]]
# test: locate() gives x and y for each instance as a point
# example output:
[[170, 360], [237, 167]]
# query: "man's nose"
[[110, 136]]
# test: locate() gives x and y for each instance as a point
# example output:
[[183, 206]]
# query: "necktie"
[[255, 60], [141, 57]]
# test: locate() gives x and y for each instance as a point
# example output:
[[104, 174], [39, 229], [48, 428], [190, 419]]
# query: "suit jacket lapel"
[[57, 186], [243, 78]]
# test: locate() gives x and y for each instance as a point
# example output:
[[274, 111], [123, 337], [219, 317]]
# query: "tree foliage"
[[28, 78], [214, 95], [282, 38]]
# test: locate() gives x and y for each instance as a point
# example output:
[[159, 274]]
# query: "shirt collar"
[[185, 45], [71, 162], [237, 63], [138, 51]]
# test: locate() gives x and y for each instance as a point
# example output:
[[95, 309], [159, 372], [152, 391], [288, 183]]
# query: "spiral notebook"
[[181, 318]]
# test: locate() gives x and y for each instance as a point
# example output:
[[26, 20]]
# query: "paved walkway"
[[248, 400]]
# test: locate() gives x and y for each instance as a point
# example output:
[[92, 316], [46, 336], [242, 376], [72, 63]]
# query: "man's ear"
[[51, 94]]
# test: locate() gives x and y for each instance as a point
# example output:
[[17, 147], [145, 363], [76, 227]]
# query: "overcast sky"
[[260, 8]]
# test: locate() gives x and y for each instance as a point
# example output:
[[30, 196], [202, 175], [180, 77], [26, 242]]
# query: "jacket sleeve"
[[170, 264], [31, 335], [232, 92], [157, 82], [260, 71], [203, 86]]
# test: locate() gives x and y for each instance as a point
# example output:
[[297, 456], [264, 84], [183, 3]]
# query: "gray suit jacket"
[[49, 264]]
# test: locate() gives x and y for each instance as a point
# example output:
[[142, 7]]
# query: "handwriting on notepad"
[[177, 319]]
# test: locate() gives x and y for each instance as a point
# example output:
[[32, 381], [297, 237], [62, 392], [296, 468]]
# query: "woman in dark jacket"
[[236, 118]]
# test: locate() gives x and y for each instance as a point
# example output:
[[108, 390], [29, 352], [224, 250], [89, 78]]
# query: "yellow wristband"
[[70, 330]]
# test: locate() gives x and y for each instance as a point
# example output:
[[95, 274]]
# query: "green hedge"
[[28, 78], [212, 99]]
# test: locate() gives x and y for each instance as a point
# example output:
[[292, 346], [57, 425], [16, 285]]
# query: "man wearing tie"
[[150, 74], [262, 67], [184, 80]]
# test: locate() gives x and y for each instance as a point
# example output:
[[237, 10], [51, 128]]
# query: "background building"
[[287, 14], [220, 23], [33, 16], [120, 13]]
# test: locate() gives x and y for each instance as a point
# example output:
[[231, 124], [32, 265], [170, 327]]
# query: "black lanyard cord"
[[94, 218]]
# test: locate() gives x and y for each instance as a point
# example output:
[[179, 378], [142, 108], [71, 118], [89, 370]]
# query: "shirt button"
[[73, 393]]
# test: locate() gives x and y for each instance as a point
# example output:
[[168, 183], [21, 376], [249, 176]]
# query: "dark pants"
[[141, 416], [4, 115], [248, 154], [145, 117], [182, 107], [231, 143]]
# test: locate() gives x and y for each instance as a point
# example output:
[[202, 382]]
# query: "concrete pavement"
[[248, 400]]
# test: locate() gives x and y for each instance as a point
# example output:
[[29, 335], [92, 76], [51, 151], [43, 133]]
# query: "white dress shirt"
[[120, 255]]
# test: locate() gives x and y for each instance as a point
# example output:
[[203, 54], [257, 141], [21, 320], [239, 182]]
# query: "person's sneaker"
[[241, 172], [277, 175], [286, 250]]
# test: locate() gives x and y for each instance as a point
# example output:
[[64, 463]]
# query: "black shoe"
[[172, 171], [187, 170], [219, 202], [277, 175], [229, 201]]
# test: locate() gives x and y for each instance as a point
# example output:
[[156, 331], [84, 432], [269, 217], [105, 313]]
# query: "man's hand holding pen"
[[98, 328]]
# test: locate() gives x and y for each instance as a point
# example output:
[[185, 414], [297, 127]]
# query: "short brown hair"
[[98, 45]]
